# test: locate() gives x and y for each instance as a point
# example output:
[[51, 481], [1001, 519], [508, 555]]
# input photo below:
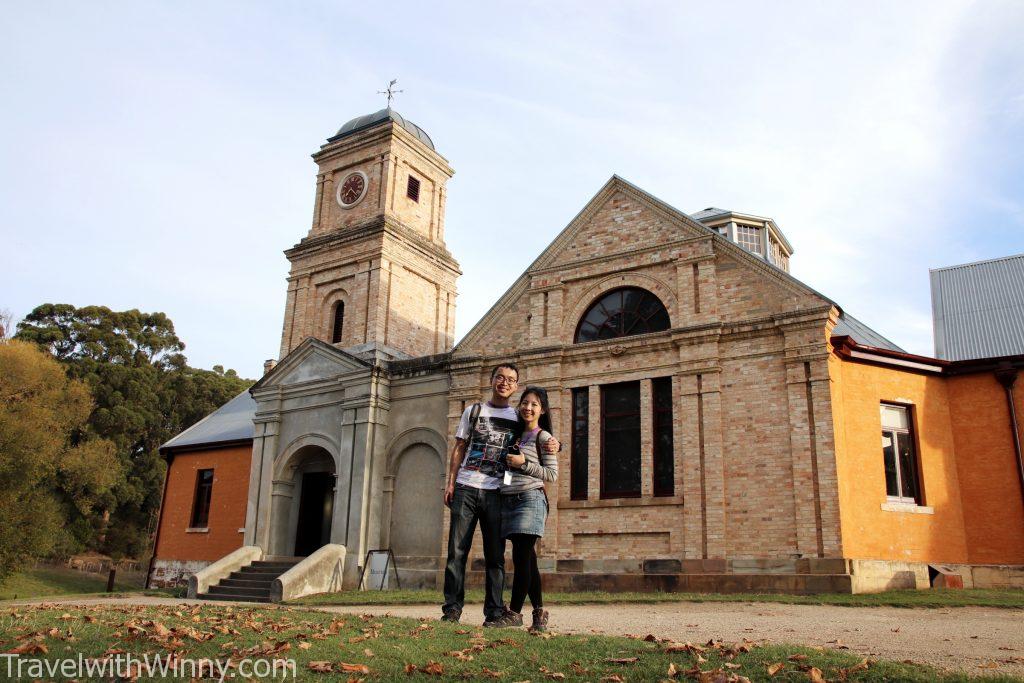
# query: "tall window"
[[664, 470], [580, 443], [749, 237], [201, 501], [620, 440], [338, 322], [622, 312], [901, 477]]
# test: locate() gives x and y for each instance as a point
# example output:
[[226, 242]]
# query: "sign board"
[[379, 571]]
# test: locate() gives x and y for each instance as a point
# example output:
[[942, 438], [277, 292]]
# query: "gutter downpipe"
[[1007, 377]]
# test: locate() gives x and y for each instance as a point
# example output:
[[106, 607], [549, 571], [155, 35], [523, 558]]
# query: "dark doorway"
[[315, 507]]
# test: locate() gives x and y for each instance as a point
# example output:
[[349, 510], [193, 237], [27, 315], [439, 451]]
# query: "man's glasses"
[[501, 379]]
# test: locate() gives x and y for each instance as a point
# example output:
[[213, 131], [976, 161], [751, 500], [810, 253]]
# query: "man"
[[475, 473]]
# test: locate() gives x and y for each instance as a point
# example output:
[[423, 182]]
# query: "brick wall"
[[227, 505], [741, 334]]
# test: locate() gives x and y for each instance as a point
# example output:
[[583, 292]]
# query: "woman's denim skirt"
[[523, 513]]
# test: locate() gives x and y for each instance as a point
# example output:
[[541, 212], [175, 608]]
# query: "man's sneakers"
[[453, 615], [540, 620], [507, 619]]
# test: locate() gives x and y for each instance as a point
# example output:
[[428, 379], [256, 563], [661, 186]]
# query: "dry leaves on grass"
[[775, 668]]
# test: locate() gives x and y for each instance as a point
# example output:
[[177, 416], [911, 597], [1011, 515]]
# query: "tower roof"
[[387, 114]]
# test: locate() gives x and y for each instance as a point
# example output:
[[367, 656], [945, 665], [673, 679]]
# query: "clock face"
[[352, 189]]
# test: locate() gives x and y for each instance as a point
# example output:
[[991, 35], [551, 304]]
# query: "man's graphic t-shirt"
[[484, 463]]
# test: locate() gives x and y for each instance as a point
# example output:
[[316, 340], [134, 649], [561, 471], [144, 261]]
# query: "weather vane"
[[390, 92]]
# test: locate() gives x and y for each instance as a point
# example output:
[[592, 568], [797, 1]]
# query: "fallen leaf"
[[815, 675], [673, 671], [798, 658], [411, 668], [304, 645], [29, 649], [320, 667], [490, 674], [623, 660], [775, 668], [614, 678], [863, 666], [368, 652], [556, 676], [433, 668]]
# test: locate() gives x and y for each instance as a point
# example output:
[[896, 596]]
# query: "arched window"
[[339, 320], [621, 313]]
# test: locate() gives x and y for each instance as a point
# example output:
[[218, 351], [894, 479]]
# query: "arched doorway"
[[303, 503], [416, 512]]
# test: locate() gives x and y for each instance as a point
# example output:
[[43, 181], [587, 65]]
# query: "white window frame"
[[894, 431]]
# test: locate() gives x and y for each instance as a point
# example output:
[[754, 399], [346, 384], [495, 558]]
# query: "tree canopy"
[[49, 465], [143, 394]]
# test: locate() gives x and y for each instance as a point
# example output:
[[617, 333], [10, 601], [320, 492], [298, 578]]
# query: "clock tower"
[[374, 272]]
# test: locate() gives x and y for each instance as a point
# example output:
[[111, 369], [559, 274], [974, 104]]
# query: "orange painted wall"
[[227, 504], [868, 531], [992, 506]]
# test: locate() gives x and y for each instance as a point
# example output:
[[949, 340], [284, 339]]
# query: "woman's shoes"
[[540, 620], [508, 619]]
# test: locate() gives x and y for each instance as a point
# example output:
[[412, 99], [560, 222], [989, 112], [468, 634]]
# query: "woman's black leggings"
[[527, 576]]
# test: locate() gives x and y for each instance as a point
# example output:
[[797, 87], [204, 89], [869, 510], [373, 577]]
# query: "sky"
[[156, 155]]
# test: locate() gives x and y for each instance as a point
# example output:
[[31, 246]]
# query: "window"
[[898, 453], [664, 470], [622, 312], [338, 323], [201, 502], [620, 440], [412, 190], [749, 237], [580, 443]]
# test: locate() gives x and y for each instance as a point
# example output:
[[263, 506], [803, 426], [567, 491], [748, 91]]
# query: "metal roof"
[[848, 326], [231, 422], [978, 309], [362, 122]]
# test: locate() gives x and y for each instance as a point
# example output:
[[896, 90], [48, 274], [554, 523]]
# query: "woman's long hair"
[[545, 419]]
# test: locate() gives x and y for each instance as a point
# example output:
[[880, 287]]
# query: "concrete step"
[[268, 571], [257, 577], [246, 583], [238, 590], [264, 564], [231, 597]]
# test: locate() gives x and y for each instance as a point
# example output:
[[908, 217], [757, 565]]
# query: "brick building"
[[721, 419]]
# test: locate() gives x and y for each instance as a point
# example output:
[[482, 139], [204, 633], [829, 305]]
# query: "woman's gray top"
[[538, 468]]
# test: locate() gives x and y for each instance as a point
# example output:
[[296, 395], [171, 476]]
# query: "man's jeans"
[[468, 505]]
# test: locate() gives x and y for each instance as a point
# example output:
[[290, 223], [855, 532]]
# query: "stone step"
[[231, 597], [238, 590], [246, 583], [258, 577], [264, 564], [269, 571]]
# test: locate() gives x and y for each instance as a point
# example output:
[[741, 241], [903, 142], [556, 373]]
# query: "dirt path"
[[975, 640], [968, 639]]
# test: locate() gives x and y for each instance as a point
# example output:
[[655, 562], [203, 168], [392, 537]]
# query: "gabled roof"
[[848, 326], [671, 213], [230, 423], [978, 309]]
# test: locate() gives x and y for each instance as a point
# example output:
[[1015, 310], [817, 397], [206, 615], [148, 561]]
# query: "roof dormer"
[[757, 234]]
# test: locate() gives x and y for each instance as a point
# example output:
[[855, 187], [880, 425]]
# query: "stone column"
[[258, 507], [282, 542]]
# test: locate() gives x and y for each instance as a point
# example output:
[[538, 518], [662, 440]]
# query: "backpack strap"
[[474, 415]]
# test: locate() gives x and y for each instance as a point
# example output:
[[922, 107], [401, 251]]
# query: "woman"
[[524, 505]]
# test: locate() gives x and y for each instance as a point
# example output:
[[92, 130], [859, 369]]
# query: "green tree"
[[48, 464], [144, 394]]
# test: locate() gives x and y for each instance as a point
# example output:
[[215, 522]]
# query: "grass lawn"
[[46, 581], [350, 647], [1007, 598]]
